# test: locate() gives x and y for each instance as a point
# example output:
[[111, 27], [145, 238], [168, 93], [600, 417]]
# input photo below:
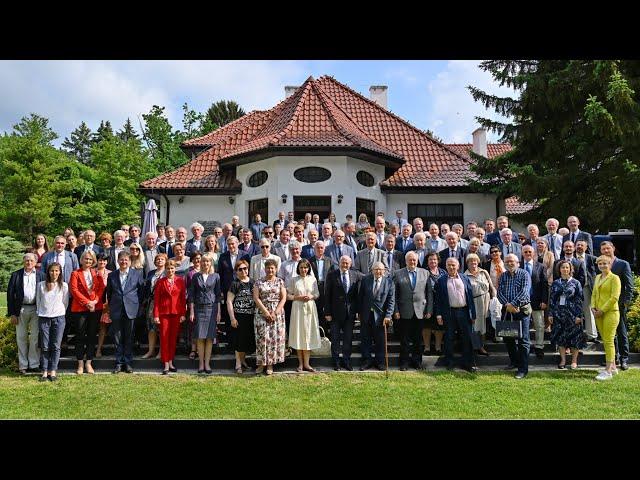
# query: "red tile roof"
[[513, 206], [323, 113], [493, 149]]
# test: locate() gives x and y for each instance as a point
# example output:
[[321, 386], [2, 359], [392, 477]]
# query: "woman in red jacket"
[[86, 292], [169, 309]]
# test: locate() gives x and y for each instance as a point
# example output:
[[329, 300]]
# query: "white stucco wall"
[[476, 206], [197, 208]]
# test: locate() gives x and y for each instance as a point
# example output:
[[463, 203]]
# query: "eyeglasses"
[[134, 248], [267, 233], [264, 246], [243, 268]]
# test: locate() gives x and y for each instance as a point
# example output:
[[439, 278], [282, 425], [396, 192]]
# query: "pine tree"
[[225, 111], [128, 133], [104, 132], [80, 144], [575, 130]]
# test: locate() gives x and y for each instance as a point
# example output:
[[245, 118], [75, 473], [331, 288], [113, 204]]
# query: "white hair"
[[196, 225], [293, 244], [451, 234], [151, 234], [420, 235], [505, 230]]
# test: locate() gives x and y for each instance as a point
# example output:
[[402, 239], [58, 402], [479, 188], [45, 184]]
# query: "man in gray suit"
[[68, 260], [369, 255], [281, 248], [434, 243], [414, 302], [394, 258], [509, 245], [338, 248]]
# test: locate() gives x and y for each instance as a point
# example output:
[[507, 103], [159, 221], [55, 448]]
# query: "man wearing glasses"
[[256, 271]]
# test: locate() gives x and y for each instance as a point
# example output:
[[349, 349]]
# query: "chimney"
[[289, 90], [480, 142], [378, 93]]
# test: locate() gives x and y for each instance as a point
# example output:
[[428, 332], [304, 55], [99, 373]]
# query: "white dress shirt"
[[60, 258], [29, 286]]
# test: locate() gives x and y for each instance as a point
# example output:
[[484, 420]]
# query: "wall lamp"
[[231, 200], [181, 200], [284, 197], [340, 198]]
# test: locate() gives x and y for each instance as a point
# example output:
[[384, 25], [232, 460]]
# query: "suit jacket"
[[442, 244], [547, 237], [591, 269], [112, 264], [579, 272], [410, 301], [255, 270], [130, 241], [307, 252], [361, 262], [379, 244], [125, 301], [442, 306], [79, 250], [81, 293], [539, 285], [382, 304], [225, 269], [341, 305], [461, 253], [149, 259], [351, 242], [15, 290], [190, 247], [170, 301], [586, 236], [516, 250], [604, 295], [70, 264], [328, 266], [424, 262], [494, 238], [623, 270], [332, 252], [254, 248], [397, 261], [205, 293], [222, 244], [281, 222], [408, 243]]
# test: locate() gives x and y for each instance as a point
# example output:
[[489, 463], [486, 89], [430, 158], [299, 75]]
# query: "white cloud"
[[453, 110]]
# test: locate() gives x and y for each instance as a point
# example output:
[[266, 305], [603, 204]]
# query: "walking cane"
[[386, 353]]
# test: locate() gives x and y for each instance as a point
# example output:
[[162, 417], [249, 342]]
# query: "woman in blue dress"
[[565, 314]]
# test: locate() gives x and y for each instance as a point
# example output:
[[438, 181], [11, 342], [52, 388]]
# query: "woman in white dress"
[[483, 290], [304, 334]]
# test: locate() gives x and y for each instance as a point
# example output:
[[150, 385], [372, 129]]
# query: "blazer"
[[351, 242], [552, 249], [15, 290], [578, 270], [112, 264], [70, 264], [328, 266], [623, 270], [190, 247], [442, 306], [307, 251], [539, 285], [254, 248], [591, 269], [125, 301], [424, 263], [361, 262], [149, 259], [461, 254], [255, 266], [279, 251], [130, 241], [332, 252], [80, 292], [410, 301], [586, 236], [516, 250], [170, 301], [378, 243], [408, 243], [494, 237], [442, 244], [382, 304], [79, 250], [225, 269], [205, 293], [338, 304], [606, 296], [397, 261]]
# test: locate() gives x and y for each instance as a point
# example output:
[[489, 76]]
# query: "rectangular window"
[[368, 207], [260, 206], [437, 213]]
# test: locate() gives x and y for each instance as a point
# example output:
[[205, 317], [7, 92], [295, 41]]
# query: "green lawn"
[[414, 395]]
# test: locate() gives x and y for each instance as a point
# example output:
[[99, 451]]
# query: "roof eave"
[[191, 191]]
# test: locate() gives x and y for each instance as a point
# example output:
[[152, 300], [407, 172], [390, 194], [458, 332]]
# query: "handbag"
[[325, 346], [509, 328]]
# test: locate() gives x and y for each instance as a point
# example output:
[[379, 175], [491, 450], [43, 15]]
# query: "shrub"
[[633, 318], [8, 345], [11, 252]]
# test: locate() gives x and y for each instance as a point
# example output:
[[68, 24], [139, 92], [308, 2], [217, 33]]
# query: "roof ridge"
[[300, 93], [325, 105]]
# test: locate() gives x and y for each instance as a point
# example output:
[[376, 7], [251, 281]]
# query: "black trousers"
[[86, 334], [342, 331], [410, 333], [371, 333], [460, 321]]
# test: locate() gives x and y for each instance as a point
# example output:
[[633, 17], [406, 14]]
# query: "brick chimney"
[[378, 93], [289, 90], [480, 142]]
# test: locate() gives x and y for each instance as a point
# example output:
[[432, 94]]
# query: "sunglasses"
[[264, 246], [267, 233], [134, 248], [243, 268]]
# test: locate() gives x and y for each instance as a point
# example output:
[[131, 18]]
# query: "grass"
[[414, 395], [3, 304]]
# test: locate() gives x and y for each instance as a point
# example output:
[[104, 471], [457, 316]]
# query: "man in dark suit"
[[453, 250], [576, 234], [455, 309], [134, 236], [195, 243], [350, 236], [341, 309], [125, 293], [338, 248], [181, 237], [118, 246], [623, 270], [394, 258], [380, 233], [419, 246], [280, 220], [248, 246], [376, 301], [404, 241], [494, 237], [89, 239], [367, 257], [321, 266], [578, 267], [591, 270], [21, 307], [414, 302], [539, 294]]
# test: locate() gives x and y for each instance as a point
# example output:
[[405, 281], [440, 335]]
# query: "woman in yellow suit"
[[604, 305]]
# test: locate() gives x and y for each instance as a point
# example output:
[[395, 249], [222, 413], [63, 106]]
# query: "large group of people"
[[271, 287]]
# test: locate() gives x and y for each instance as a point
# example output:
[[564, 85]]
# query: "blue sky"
[[428, 94]]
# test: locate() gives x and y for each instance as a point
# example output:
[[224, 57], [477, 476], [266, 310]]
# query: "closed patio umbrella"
[[150, 218]]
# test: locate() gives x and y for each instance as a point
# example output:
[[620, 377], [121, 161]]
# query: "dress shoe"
[[366, 366], [562, 367], [347, 366], [165, 372], [511, 366], [173, 369], [208, 371], [201, 370], [471, 369], [380, 367], [336, 367], [403, 367], [53, 378], [520, 375], [117, 369], [624, 366], [44, 379], [483, 352], [128, 369]]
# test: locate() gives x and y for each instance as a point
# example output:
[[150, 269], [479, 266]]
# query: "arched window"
[[312, 174], [258, 178], [365, 178]]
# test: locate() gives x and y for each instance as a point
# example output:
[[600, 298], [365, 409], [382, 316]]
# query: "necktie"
[[345, 281], [370, 258], [339, 252], [527, 266], [573, 237], [421, 257], [413, 280], [376, 287], [452, 253]]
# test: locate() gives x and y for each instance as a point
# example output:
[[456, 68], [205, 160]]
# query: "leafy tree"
[[433, 135], [35, 127], [575, 128], [163, 143], [224, 111], [79, 145]]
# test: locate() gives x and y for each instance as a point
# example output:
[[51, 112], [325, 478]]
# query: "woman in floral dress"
[[270, 295]]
